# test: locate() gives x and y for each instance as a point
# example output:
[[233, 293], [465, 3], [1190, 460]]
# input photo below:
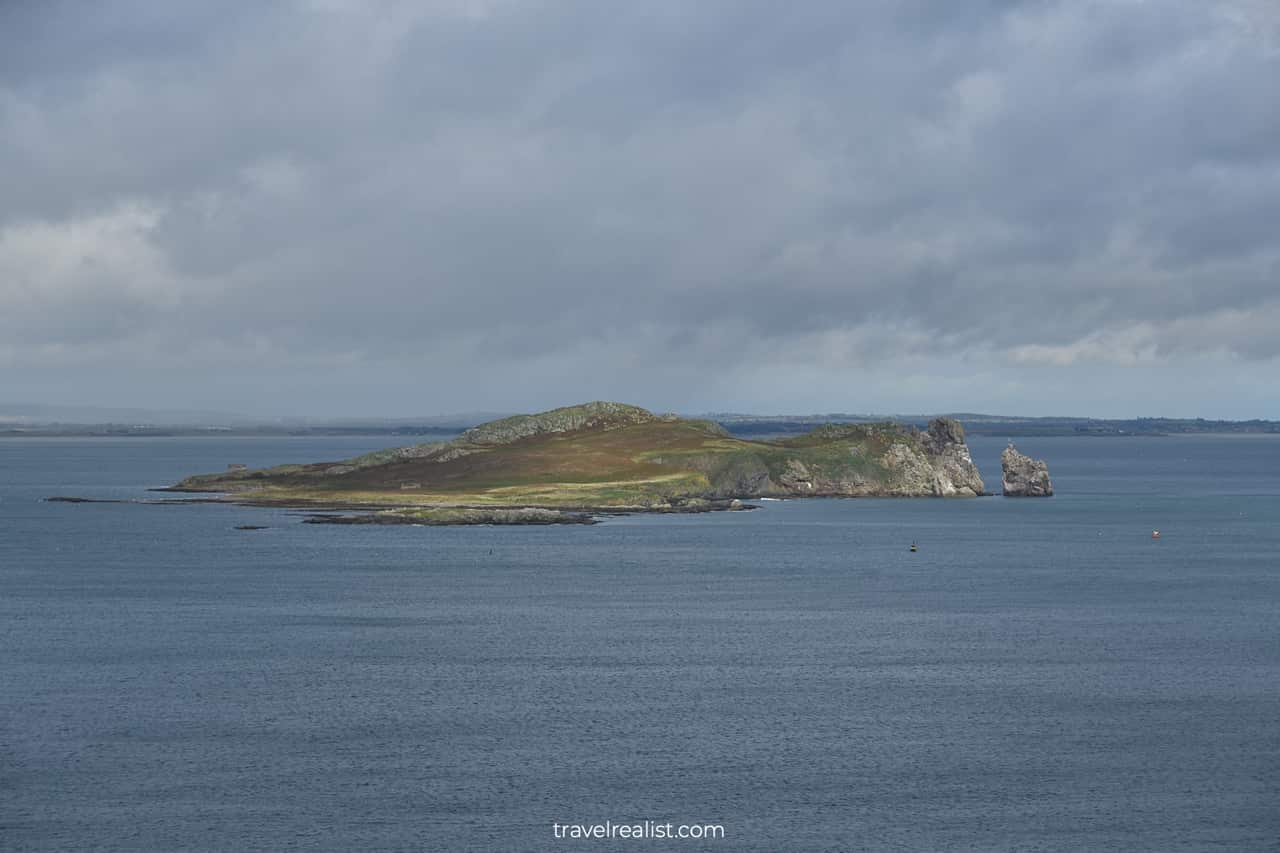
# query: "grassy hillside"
[[606, 455]]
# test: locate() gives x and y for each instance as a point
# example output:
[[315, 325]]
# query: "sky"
[[1049, 207]]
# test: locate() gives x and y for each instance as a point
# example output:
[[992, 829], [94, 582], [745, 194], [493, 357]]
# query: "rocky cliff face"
[[936, 463], [954, 471], [880, 460], [1024, 477]]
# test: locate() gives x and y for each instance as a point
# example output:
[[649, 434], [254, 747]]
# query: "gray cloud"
[[1029, 206]]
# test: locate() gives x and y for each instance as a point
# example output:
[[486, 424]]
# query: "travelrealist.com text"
[[642, 829]]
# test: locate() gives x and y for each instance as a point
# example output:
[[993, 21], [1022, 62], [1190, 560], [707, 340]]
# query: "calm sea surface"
[[1042, 675]]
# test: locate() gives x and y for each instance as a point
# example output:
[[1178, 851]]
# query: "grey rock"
[[943, 433], [600, 414], [1024, 477], [954, 471], [451, 453]]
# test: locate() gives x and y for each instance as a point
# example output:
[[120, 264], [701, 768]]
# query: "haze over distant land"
[[35, 415], [344, 210], [35, 420]]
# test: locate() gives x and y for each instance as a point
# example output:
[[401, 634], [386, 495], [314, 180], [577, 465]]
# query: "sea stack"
[[1024, 477]]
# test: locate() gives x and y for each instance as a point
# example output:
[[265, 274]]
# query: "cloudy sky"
[[334, 208]]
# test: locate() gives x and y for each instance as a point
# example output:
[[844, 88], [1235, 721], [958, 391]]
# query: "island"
[[570, 464]]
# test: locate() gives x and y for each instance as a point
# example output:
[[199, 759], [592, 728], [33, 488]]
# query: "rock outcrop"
[[876, 460], [954, 471], [1024, 477], [600, 414]]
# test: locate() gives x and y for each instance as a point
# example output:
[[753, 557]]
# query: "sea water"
[[1039, 675]]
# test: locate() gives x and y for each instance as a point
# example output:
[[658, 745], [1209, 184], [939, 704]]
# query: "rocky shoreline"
[[457, 517], [354, 513]]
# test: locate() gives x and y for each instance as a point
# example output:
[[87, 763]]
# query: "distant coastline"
[[163, 431], [743, 425], [1009, 426]]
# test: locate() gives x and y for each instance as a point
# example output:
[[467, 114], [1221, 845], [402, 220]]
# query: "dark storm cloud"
[[505, 188]]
